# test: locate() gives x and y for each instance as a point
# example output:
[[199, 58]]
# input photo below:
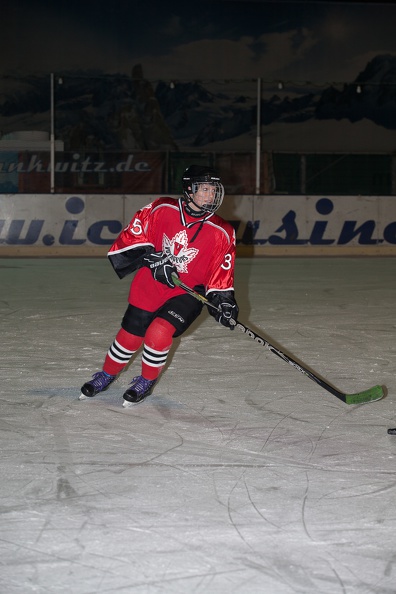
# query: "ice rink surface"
[[238, 475]]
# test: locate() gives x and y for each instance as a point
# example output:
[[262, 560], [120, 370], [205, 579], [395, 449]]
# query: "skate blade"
[[127, 404], [83, 397]]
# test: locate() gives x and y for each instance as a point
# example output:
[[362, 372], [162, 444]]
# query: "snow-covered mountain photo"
[[161, 76], [120, 112]]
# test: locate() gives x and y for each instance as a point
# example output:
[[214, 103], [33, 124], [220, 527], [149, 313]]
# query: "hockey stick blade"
[[370, 395]]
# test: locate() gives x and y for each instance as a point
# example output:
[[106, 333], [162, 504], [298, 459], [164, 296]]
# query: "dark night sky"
[[205, 39]]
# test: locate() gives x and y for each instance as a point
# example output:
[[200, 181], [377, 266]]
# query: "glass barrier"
[[97, 133]]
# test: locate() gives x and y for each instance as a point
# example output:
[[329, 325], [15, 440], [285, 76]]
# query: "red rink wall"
[[69, 225]]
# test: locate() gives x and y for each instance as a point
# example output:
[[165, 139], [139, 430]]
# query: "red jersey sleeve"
[[132, 243], [221, 277]]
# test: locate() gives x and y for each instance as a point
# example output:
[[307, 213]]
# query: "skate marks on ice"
[[317, 506], [236, 475], [203, 500]]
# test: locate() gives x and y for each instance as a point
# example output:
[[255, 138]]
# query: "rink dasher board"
[[65, 225]]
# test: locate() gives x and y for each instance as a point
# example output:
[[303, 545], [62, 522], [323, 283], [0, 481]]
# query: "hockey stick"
[[374, 393]]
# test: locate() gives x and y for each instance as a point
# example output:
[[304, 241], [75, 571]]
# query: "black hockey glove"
[[160, 268], [225, 302]]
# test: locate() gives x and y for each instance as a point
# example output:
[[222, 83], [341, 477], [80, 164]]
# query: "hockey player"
[[183, 237]]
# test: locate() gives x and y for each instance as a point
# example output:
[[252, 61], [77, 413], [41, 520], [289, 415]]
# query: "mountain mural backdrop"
[[101, 111]]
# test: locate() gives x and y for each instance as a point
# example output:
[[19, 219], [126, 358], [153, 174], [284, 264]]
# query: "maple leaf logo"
[[178, 251]]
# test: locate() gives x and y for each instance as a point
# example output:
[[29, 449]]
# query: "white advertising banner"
[[273, 225]]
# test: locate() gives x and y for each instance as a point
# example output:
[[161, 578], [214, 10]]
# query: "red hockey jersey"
[[202, 249]]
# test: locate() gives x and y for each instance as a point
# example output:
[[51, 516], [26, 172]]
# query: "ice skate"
[[138, 390], [100, 381]]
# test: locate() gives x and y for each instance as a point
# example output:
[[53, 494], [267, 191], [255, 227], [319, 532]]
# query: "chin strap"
[[203, 215], [194, 213]]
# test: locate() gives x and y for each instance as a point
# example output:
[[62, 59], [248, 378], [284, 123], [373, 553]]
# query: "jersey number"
[[136, 227], [227, 262]]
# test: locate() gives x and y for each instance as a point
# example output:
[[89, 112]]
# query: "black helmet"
[[196, 175]]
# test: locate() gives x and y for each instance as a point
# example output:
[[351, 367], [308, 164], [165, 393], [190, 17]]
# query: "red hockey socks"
[[157, 344], [119, 354]]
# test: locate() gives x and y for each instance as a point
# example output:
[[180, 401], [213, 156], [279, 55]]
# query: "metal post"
[[52, 138], [303, 174], [258, 137], [393, 175]]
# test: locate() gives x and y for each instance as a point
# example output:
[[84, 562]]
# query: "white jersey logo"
[[178, 251]]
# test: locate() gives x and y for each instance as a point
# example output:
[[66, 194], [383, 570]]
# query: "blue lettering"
[[74, 205], [235, 225], [390, 233], [324, 206], [318, 231], [291, 231], [66, 236], [32, 235], [249, 233], [95, 231], [348, 232], [104, 232]]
